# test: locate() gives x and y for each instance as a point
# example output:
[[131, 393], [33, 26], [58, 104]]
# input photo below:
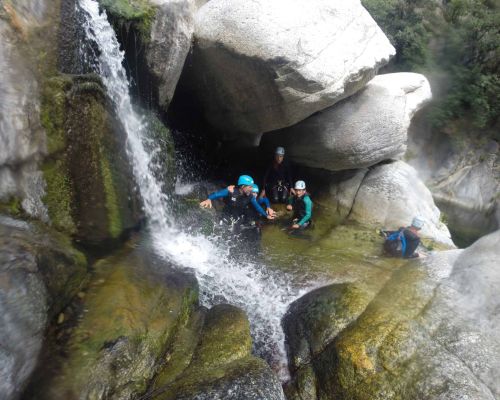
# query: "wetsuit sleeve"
[[257, 207], [219, 194], [307, 217], [264, 201]]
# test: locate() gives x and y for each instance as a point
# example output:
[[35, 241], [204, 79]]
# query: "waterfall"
[[264, 295]]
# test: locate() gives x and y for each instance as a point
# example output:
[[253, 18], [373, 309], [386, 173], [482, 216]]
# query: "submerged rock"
[[262, 66], [431, 332], [369, 127], [39, 273], [390, 195]]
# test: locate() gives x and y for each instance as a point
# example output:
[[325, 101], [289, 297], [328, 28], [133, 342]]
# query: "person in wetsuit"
[[278, 181], [301, 205], [238, 200], [405, 241]]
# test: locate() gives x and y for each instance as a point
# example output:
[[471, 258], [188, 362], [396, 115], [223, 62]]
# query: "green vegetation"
[[139, 13], [456, 45]]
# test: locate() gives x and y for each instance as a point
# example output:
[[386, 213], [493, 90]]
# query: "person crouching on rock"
[[278, 179], [237, 201], [301, 205], [404, 242]]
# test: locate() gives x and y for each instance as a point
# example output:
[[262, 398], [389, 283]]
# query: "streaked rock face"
[[22, 140], [369, 127], [259, 66]]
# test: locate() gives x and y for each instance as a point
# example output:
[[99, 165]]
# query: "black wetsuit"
[[278, 181]]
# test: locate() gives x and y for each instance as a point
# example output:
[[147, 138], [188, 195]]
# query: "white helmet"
[[280, 151], [417, 222], [301, 185]]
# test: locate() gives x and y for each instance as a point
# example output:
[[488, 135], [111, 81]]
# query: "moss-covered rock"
[[431, 332], [40, 272], [221, 365], [131, 313], [89, 192], [136, 14]]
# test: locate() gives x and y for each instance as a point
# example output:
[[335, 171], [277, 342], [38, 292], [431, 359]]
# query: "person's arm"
[[307, 217], [264, 201], [217, 195], [258, 207]]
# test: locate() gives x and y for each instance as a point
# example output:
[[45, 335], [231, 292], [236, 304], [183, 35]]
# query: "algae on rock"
[[132, 311], [88, 194]]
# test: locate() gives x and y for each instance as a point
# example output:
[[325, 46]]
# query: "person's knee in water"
[[405, 241], [237, 201], [277, 182], [301, 205]]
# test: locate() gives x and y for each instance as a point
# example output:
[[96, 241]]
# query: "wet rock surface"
[[369, 127], [130, 314], [261, 66], [39, 273], [221, 365], [431, 332], [89, 193]]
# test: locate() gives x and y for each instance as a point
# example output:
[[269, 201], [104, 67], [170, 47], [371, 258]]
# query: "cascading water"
[[262, 294]]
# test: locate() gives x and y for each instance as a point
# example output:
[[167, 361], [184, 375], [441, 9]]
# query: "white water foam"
[[264, 295]]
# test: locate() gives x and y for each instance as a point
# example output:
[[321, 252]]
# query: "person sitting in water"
[[301, 205], [278, 181], [237, 201], [405, 241]]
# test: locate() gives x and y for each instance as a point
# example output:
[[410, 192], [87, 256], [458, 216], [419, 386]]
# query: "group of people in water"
[[244, 205]]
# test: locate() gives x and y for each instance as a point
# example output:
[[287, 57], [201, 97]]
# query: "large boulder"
[[369, 127], [431, 332], [259, 66], [39, 273], [390, 195], [156, 35]]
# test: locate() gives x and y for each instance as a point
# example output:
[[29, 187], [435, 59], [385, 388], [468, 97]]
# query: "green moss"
[[52, 113], [12, 207], [115, 225], [59, 195], [139, 13], [129, 317]]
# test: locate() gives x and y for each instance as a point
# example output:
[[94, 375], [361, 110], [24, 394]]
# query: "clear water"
[[223, 273]]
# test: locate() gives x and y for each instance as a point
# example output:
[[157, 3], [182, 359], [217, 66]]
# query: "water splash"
[[263, 294]]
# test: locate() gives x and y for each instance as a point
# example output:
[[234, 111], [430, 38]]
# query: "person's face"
[[300, 192], [279, 158], [247, 189]]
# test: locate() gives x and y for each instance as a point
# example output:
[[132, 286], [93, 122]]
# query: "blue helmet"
[[245, 180], [255, 188]]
